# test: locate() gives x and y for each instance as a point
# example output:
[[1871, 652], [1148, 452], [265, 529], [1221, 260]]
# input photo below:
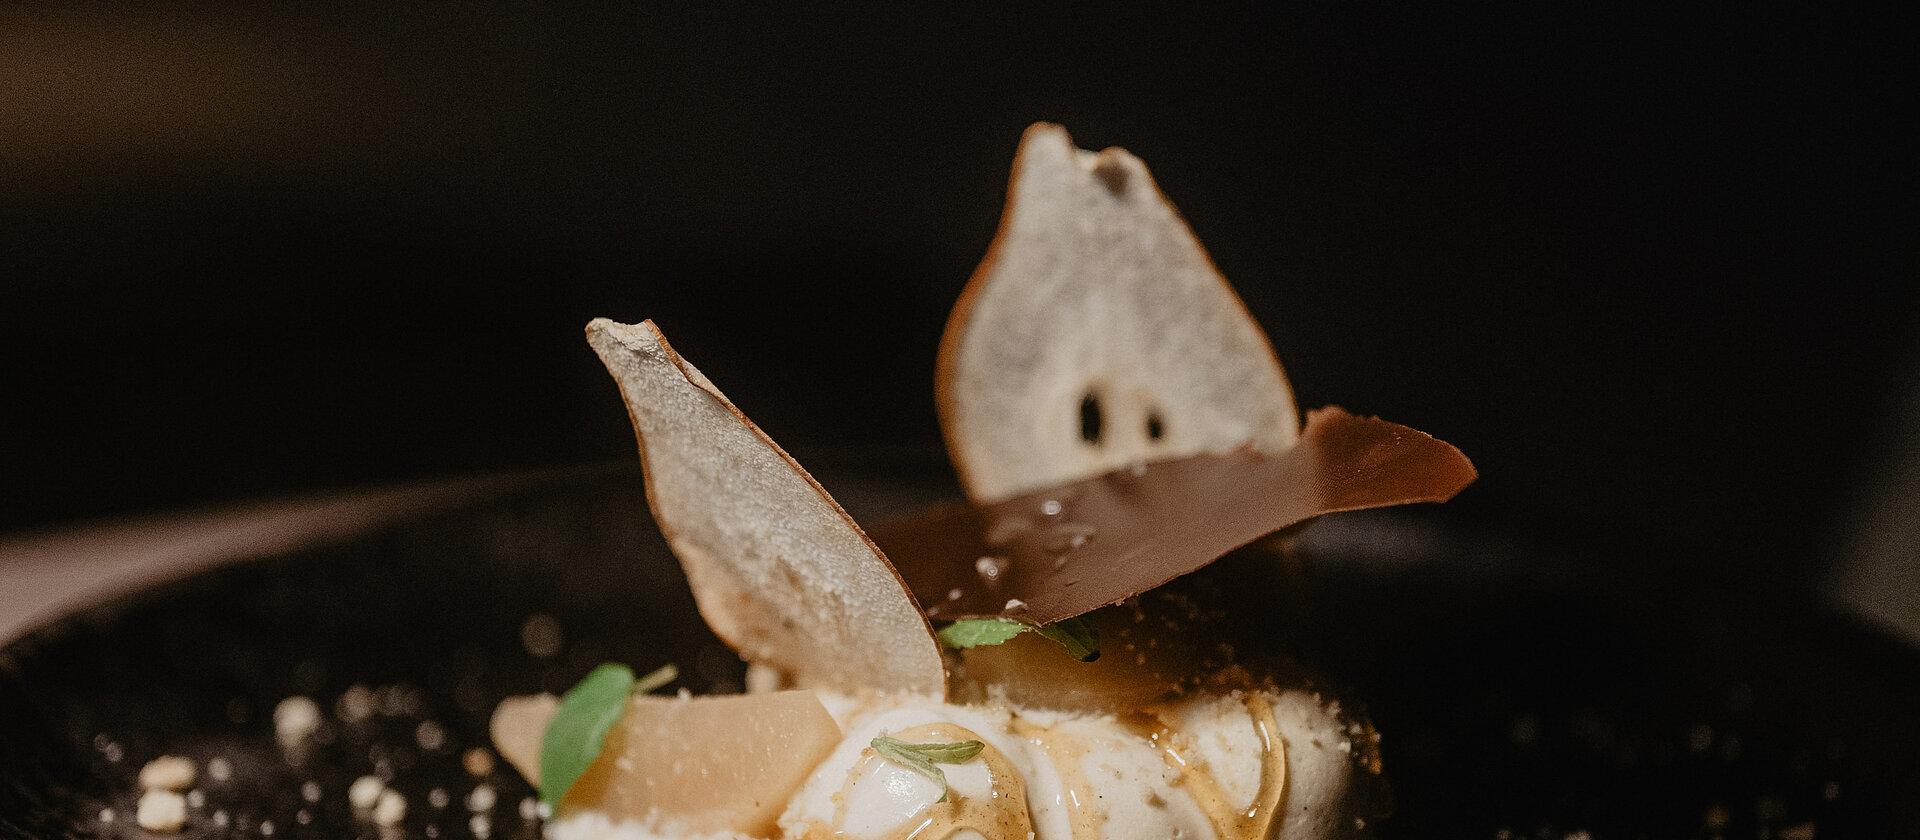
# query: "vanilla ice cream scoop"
[[1255, 763]]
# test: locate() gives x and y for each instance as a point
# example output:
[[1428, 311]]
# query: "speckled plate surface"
[[1521, 692]]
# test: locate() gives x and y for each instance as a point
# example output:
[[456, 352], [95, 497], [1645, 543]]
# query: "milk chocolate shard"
[[1097, 334], [1055, 554], [779, 570]]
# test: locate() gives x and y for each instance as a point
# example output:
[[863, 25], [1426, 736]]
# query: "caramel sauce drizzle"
[[1004, 815], [1083, 818], [1001, 815], [1254, 822]]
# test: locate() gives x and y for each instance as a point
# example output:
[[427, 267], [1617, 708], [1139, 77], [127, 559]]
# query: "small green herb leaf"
[[974, 632], [926, 758], [579, 729], [1077, 633]]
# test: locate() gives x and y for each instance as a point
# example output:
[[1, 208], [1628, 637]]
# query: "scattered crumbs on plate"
[[390, 808], [477, 761], [481, 798], [365, 792], [295, 719], [168, 772], [430, 736], [355, 705], [161, 811]]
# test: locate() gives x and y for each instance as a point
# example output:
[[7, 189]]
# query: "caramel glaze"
[[1004, 813], [1001, 815], [1230, 822], [1084, 819]]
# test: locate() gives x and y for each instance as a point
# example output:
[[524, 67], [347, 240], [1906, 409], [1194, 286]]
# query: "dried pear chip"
[[779, 570], [1097, 334]]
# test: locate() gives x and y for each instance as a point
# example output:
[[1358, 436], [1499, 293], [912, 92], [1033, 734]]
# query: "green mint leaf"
[[955, 752], [587, 712], [974, 632], [1077, 634], [579, 729], [897, 750], [926, 758], [1082, 641]]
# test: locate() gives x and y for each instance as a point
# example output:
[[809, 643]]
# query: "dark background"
[[1653, 269]]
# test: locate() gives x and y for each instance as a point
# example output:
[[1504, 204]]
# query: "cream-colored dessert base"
[[1248, 765]]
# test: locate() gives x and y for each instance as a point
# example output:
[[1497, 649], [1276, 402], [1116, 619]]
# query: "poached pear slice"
[[701, 765]]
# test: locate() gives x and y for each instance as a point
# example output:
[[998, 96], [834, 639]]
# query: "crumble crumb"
[[365, 791], [168, 772], [162, 811], [295, 718], [390, 809]]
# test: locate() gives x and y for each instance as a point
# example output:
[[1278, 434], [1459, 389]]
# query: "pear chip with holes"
[[1097, 334], [1118, 421]]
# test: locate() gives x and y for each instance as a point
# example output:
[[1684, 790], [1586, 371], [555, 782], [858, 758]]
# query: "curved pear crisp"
[[778, 568]]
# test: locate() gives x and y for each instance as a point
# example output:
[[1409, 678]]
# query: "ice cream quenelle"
[[1034, 662]]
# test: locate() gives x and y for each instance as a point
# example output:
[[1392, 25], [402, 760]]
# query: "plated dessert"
[[1027, 664]]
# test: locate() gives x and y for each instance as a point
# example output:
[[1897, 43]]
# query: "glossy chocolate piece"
[[1056, 554]]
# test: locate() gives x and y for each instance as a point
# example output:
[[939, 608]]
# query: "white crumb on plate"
[[390, 809], [295, 718], [168, 772], [430, 736], [355, 704], [162, 810], [365, 791], [482, 798]]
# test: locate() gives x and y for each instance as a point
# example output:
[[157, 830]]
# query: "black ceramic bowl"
[[1521, 692]]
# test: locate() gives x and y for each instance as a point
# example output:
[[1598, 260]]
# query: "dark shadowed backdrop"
[[1652, 268]]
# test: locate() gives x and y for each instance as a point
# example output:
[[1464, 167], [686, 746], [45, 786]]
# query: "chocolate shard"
[[1047, 556]]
